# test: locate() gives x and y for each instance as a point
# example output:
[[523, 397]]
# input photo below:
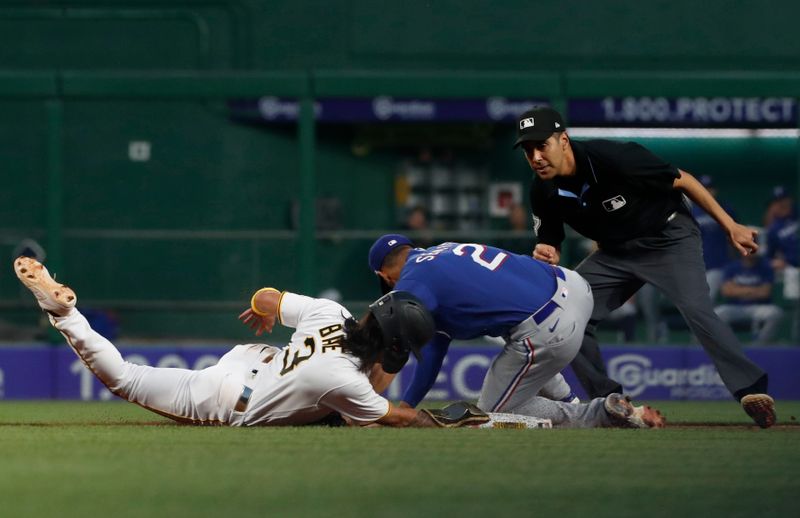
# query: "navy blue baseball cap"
[[381, 248]]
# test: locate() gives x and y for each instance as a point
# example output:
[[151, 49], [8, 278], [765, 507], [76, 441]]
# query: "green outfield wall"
[[123, 160]]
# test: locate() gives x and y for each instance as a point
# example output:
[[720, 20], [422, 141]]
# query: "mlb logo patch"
[[526, 123], [615, 203]]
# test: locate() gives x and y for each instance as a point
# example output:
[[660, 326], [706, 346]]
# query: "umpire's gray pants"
[[673, 263], [537, 351]]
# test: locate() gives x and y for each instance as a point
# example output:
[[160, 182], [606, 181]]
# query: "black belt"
[[545, 311]]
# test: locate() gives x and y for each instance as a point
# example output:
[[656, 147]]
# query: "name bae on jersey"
[[331, 338]]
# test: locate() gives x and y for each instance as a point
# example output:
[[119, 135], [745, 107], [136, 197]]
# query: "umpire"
[[631, 203]]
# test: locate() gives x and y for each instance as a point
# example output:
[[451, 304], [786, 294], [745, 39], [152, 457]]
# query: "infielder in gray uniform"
[[631, 203], [474, 290]]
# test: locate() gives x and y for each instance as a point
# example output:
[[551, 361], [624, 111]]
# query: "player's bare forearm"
[[730, 289], [380, 379], [406, 417], [422, 420], [761, 292]]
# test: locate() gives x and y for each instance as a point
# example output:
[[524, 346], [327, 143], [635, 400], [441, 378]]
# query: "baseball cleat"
[[761, 408], [53, 297], [622, 411]]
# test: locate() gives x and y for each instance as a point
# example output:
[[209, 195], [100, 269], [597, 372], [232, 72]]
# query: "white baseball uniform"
[[253, 384]]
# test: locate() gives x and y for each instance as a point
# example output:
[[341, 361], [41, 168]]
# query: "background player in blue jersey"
[[747, 287], [474, 290], [782, 232], [717, 251]]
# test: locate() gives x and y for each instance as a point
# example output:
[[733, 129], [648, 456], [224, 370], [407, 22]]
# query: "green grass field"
[[92, 459]]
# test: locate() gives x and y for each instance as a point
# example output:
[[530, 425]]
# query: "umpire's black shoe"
[[761, 408]]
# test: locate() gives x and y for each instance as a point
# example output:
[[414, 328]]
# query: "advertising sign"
[[385, 109], [646, 372], [685, 112]]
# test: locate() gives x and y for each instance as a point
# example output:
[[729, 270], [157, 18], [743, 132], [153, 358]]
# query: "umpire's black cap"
[[537, 124]]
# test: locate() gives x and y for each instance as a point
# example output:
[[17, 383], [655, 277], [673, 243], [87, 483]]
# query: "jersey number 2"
[[477, 255]]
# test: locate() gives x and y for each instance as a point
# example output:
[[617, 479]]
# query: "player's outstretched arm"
[[427, 369], [454, 415], [263, 311], [402, 417], [379, 378]]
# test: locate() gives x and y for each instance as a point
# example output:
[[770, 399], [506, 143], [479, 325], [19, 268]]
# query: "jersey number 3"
[[288, 366], [477, 255], [331, 337]]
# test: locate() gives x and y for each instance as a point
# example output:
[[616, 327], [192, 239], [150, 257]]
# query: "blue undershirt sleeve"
[[427, 369]]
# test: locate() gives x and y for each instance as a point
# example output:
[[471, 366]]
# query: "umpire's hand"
[[743, 238], [546, 253]]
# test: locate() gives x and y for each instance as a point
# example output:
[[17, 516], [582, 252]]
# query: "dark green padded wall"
[[103, 35], [207, 180], [527, 36], [204, 172], [176, 242], [23, 130], [23, 137], [302, 34]]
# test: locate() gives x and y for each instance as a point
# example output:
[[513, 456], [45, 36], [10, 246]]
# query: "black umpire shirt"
[[620, 191]]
